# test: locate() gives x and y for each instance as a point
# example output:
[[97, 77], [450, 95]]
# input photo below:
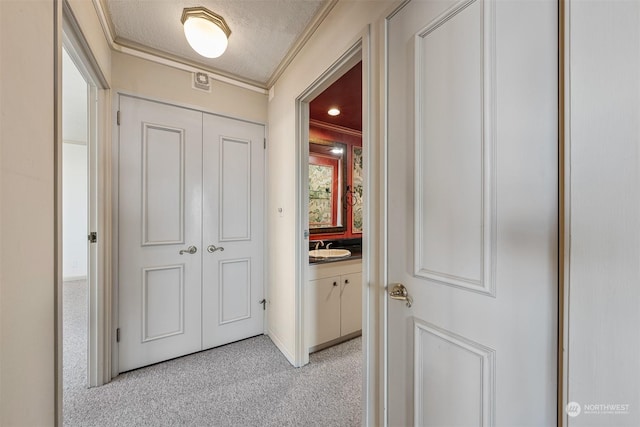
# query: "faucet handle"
[[328, 244]]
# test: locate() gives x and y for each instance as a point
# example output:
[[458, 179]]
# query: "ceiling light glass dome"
[[206, 32]]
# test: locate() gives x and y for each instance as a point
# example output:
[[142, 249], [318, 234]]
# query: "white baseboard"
[[278, 342], [73, 278]]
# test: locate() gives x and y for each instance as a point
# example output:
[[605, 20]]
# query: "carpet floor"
[[247, 383]]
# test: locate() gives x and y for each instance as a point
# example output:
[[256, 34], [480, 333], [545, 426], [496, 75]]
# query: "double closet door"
[[190, 231]]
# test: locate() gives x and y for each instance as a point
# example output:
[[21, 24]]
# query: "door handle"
[[400, 293], [190, 250], [212, 248]]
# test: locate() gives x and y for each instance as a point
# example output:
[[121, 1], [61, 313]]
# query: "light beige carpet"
[[248, 383]]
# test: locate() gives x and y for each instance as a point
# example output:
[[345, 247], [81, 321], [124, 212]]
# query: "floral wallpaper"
[[357, 187], [320, 201]]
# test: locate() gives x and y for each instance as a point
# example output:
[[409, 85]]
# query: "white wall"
[[339, 32], [164, 83], [27, 182], [74, 211], [27, 282], [604, 269]]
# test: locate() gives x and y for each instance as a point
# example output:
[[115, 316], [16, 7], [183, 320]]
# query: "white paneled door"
[[472, 218], [190, 234], [233, 176]]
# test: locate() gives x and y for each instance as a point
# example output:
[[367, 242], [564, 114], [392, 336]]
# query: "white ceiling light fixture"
[[207, 32], [333, 112]]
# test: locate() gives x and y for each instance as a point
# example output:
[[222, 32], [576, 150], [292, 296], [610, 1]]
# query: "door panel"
[[233, 207], [449, 65], [235, 189], [451, 372], [472, 176], [163, 165], [162, 302], [235, 290], [159, 215]]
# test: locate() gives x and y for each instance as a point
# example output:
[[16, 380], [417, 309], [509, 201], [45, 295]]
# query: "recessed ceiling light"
[[333, 112]]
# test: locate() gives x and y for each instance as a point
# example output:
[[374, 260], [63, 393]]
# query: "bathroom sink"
[[330, 253]]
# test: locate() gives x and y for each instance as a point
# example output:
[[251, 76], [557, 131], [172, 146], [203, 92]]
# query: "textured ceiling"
[[262, 31]]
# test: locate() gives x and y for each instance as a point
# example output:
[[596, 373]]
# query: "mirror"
[[327, 186]]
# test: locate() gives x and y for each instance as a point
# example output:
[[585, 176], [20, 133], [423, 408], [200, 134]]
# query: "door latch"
[[92, 237], [399, 292]]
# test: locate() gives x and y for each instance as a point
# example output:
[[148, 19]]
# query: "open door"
[[472, 217]]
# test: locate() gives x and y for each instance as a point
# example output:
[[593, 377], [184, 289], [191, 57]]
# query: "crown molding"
[[144, 52], [155, 55], [129, 47], [301, 41], [335, 128], [106, 23]]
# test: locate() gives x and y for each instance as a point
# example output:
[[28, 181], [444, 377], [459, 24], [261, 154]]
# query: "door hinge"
[[265, 144], [264, 303], [118, 117], [118, 335], [93, 237]]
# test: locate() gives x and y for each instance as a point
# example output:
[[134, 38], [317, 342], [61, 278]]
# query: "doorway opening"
[[336, 189], [76, 265], [333, 304], [84, 287]]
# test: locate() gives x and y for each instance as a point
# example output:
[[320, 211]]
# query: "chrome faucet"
[[318, 243], [328, 244]]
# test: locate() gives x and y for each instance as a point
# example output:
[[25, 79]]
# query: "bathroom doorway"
[[332, 209], [333, 312], [334, 303]]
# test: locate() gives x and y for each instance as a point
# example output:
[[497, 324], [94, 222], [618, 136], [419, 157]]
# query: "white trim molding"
[[485, 283], [129, 47], [486, 369]]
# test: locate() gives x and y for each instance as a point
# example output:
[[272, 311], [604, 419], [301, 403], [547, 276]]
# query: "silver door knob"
[[212, 248], [399, 292], [190, 250]]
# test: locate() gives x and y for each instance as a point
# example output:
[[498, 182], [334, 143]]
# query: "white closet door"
[[233, 230], [160, 178]]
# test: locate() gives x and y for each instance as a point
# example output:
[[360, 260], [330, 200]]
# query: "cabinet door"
[[351, 303], [323, 310]]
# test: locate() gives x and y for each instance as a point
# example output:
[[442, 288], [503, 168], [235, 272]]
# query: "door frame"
[[99, 190], [114, 151], [359, 50], [563, 214]]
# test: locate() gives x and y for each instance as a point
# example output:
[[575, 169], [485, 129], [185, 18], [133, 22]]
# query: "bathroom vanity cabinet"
[[334, 303]]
